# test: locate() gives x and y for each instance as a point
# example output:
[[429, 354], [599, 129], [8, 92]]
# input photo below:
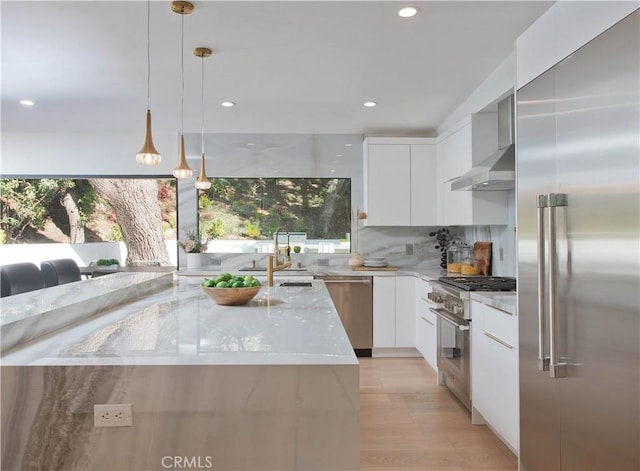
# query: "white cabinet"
[[464, 145], [424, 188], [494, 373], [405, 312], [400, 186], [426, 333], [384, 311], [394, 312]]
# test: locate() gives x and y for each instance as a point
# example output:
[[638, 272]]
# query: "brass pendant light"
[[182, 170], [202, 183], [148, 155]]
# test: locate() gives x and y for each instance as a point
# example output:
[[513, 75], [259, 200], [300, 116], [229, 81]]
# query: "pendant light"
[[148, 155], [202, 183], [182, 170]]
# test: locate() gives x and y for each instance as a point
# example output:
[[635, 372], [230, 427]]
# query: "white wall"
[[83, 154], [496, 86]]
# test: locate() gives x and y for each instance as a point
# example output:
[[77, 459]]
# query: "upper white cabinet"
[[400, 181], [560, 31], [458, 149]]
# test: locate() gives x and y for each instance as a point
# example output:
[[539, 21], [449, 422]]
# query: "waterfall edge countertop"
[[179, 325]]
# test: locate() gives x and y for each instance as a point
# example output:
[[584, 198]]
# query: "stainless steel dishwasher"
[[353, 299]]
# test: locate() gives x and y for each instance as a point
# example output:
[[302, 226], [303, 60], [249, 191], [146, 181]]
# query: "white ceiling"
[[291, 66]]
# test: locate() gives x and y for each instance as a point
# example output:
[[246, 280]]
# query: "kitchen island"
[[269, 385]]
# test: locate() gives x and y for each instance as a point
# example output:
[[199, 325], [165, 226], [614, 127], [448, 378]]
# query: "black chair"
[[60, 271], [19, 278]]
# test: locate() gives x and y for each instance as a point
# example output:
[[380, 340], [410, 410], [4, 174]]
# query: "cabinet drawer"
[[498, 325]]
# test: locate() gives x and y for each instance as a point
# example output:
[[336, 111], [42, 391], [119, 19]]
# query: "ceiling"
[[291, 66]]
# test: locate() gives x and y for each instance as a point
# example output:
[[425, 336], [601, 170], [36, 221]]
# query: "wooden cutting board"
[[363, 268], [482, 252]]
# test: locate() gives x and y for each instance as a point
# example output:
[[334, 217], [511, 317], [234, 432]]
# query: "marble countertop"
[[180, 325], [424, 273], [499, 299]]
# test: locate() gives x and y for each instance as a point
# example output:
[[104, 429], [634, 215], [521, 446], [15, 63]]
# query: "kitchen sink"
[[296, 283]]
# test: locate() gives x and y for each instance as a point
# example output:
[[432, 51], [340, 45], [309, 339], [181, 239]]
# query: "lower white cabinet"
[[425, 320], [405, 312], [394, 312], [494, 370]]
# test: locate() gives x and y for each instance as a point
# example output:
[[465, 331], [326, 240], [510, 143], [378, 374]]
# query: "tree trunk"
[[135, 203], [76, 228], [329, 208]]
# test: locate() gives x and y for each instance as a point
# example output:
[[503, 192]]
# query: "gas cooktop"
[[480, 283]]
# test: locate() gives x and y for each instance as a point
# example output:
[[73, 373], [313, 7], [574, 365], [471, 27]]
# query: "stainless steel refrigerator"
[[578, 222]]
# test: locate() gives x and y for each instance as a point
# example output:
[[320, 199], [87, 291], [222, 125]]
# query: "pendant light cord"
[[148, 51], [202, 100], [182, 73]]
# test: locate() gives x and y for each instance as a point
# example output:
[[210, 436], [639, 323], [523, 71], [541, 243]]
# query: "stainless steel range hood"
[[498, 171]]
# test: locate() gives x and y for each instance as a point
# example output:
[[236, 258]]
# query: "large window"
[[77, 210], [242, 214]]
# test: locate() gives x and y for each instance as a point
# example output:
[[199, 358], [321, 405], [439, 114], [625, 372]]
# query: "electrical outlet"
[[501, 254], [112, 415], [408, 249]]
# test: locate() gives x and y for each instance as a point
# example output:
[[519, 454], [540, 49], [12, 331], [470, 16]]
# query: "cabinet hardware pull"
[[499, 340], [498, 309], [426, 320]]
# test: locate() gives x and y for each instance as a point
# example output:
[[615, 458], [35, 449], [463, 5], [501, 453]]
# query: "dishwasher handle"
[[366, 282]]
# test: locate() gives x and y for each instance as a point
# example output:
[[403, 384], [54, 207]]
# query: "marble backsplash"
[[403, 247]]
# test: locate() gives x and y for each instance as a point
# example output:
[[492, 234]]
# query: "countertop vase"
[[194, 261], [356, 260]]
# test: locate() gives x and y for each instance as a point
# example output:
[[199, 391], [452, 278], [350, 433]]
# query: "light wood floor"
[[409, 423]]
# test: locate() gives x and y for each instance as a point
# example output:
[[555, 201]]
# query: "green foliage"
[[243, 209], [317, 206], [213, 229], [23, 203], [115, 233], [205, 201], [252, 229], [105, 262]]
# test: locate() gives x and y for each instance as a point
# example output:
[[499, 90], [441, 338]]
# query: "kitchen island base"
[[271, 385], [210, 417]]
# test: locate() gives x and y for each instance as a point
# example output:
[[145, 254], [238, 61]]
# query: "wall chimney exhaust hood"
[[498, 171]]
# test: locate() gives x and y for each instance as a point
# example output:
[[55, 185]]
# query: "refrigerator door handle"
[[543, 361], [554, 200]]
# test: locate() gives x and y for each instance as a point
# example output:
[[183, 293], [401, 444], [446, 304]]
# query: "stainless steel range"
[[451, 299]]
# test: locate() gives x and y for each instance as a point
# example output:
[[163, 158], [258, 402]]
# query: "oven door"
[[454, 354]]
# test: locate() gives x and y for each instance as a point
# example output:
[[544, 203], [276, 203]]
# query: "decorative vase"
[[194, 261], [356, 260]]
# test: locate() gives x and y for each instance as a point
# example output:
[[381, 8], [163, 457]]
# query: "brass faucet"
[[273, 261]]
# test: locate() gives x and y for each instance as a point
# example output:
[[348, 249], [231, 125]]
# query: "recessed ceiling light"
[[348, 145], [228, 104], [250, 144], [407, 12], [338, 155], [27, 102], [333, 171], [370, 104], [276, 171]]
